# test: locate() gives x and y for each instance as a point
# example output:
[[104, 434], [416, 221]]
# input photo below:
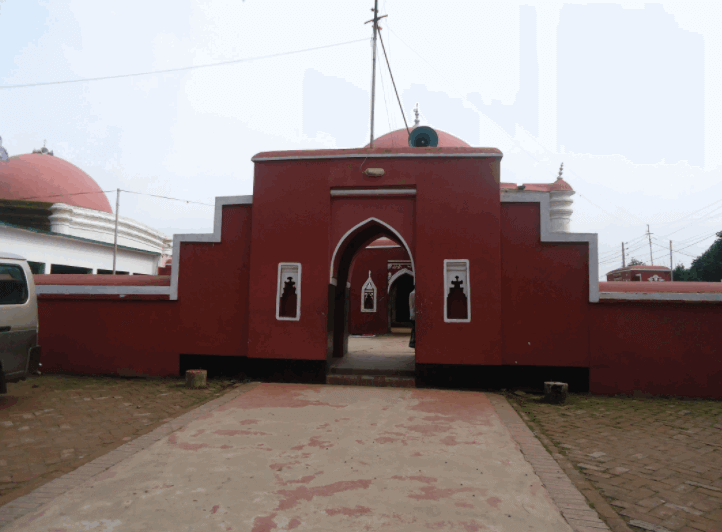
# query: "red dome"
[[39, 176], [400, 139]]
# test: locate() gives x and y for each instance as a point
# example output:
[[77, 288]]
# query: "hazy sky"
[[628, 95]]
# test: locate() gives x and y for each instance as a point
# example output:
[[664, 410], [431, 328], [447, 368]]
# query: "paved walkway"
[[300, 457], [656, 462], [52, 424], [389, 354]]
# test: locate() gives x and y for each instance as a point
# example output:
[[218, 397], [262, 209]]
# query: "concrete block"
[[196, 378], [556, 392]]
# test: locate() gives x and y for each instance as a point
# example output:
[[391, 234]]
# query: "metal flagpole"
[[373, 72], [671, 268], [115, 239], [623, 265]]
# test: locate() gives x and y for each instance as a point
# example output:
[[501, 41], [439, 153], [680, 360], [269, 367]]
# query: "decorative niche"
[[288, 294], [368, 296], [457, 303]]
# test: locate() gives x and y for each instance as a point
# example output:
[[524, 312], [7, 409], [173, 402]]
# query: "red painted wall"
[[291, 213], [545, 293], [529, 301], [458, 217], [375, 260], [657, 348], [146, 337], [454, 215], [213, 288]]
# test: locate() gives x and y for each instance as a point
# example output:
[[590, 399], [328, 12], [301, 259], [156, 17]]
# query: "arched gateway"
[[353, 241], [503, 289], [313, 212]]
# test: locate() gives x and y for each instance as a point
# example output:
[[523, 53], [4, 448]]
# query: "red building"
[[504, 294], [640, 273]]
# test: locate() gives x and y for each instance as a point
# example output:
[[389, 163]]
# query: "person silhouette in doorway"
[[412, 315]]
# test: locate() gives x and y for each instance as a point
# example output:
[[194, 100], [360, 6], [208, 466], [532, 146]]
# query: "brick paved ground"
[[657, 462], [52, 424]]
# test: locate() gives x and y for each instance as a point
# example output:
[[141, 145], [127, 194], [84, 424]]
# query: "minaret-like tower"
[[560, 204]]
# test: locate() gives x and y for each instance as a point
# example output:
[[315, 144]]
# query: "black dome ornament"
[[423, 137]]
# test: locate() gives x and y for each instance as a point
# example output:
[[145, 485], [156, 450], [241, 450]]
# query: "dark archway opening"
[[338, 336], [399, 314]]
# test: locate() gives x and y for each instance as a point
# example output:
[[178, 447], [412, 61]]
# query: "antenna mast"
[[375, 20]]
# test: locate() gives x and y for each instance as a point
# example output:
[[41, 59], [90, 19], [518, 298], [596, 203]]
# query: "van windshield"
[[13, 286]]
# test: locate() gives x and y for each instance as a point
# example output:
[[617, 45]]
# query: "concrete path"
[[389, 354], [316, 458]]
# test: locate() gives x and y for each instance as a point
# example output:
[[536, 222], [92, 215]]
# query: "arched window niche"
[[368, 296], [457, 304], [288, 293]]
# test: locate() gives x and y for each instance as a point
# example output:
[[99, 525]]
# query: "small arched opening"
[[401, 285]]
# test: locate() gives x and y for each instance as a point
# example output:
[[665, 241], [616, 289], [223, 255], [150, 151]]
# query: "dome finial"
[[416, 113], [561, 169], [44, 149]]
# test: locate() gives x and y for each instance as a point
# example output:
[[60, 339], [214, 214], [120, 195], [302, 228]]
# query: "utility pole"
[[375, 20], [671, 268], [115, 239], [623, 265], [651, 259]]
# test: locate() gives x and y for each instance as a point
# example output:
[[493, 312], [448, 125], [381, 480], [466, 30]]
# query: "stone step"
[[371, 380]]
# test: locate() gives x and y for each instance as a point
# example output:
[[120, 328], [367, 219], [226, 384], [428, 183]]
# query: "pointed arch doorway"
[[389, 356], [400, 286]]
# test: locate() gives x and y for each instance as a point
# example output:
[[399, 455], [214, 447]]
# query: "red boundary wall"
[[656, 347], [142, 335]]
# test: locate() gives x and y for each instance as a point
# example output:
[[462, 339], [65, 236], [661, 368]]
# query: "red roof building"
[[640, 273]]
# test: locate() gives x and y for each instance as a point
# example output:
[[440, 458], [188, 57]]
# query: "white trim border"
[[54, 289], [257, 159], [366, 221], [660, 296], [374, 192], [403, 271]]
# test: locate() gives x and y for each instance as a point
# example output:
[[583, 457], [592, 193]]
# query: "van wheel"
[[3, 384]]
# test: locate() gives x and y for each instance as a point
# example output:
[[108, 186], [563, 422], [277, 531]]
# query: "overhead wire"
[[608, 254], [512, 139], [179, 69], [111, 191]]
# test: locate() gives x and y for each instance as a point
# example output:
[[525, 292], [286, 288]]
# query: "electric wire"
[[179, 69], [514, 141], [687, 215], [108, 192], [609, 254]]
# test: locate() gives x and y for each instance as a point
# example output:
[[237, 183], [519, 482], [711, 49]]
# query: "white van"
[[19, 349]]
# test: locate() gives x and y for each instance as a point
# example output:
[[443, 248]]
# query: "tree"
[[705, 268], [636, 262], [680, 273]]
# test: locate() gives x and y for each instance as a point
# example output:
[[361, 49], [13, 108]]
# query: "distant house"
[[640, 273], [58, 218]]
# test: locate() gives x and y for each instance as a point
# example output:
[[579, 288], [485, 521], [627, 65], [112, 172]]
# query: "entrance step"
[[371, 380]]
